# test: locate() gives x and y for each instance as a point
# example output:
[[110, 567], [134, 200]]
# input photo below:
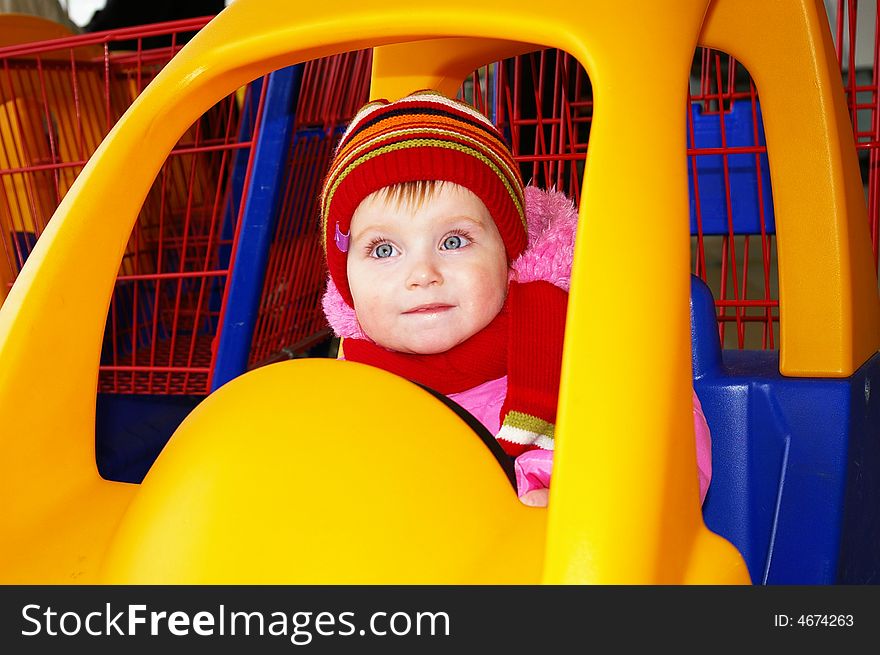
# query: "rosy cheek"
[[494, 283], [374, 314]]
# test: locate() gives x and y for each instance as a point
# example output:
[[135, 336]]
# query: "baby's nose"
[[424, 273]]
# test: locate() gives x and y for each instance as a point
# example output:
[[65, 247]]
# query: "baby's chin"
[[428, 344], [424, 348]]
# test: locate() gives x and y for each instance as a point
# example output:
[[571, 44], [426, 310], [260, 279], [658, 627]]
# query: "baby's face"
[[425, 279]]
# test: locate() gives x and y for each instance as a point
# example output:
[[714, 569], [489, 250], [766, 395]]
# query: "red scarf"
[[523, 342]]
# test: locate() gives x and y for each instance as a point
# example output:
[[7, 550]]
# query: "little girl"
[[426, 225]]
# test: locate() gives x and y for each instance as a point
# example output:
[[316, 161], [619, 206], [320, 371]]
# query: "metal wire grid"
[[290, 316]]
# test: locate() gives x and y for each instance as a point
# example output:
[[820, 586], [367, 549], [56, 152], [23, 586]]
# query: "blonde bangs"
[[412, 195]]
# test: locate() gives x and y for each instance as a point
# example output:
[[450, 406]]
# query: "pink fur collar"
[[552, 221]]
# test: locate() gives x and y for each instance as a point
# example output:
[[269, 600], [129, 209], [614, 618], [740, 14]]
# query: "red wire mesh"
[[741, 274], [546, 103], [856, 29], [290, 316], [58, 99], [166, 307]]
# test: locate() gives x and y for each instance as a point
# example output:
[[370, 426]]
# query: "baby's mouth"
[[432, 308]]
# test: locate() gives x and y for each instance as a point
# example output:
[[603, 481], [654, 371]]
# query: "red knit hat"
[[423, 136]]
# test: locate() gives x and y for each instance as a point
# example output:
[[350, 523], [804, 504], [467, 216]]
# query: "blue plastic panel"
[[796, 465], [257, 224], [742, 169]]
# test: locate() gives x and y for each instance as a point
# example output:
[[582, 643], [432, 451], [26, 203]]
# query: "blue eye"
[[455, 241], [383, 251]]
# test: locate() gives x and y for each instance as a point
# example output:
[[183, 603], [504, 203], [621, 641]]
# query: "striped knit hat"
[[423, 136]]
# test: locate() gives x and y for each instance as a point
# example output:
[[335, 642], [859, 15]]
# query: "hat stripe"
[[427, 116], [355, 149], [424, 114], [420, 143], [426, 98], [385, 128], [377, 128]]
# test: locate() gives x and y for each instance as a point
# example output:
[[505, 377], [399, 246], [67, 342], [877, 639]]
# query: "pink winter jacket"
[[534, 466]]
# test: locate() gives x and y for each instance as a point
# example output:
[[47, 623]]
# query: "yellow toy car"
[[265, 481]]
